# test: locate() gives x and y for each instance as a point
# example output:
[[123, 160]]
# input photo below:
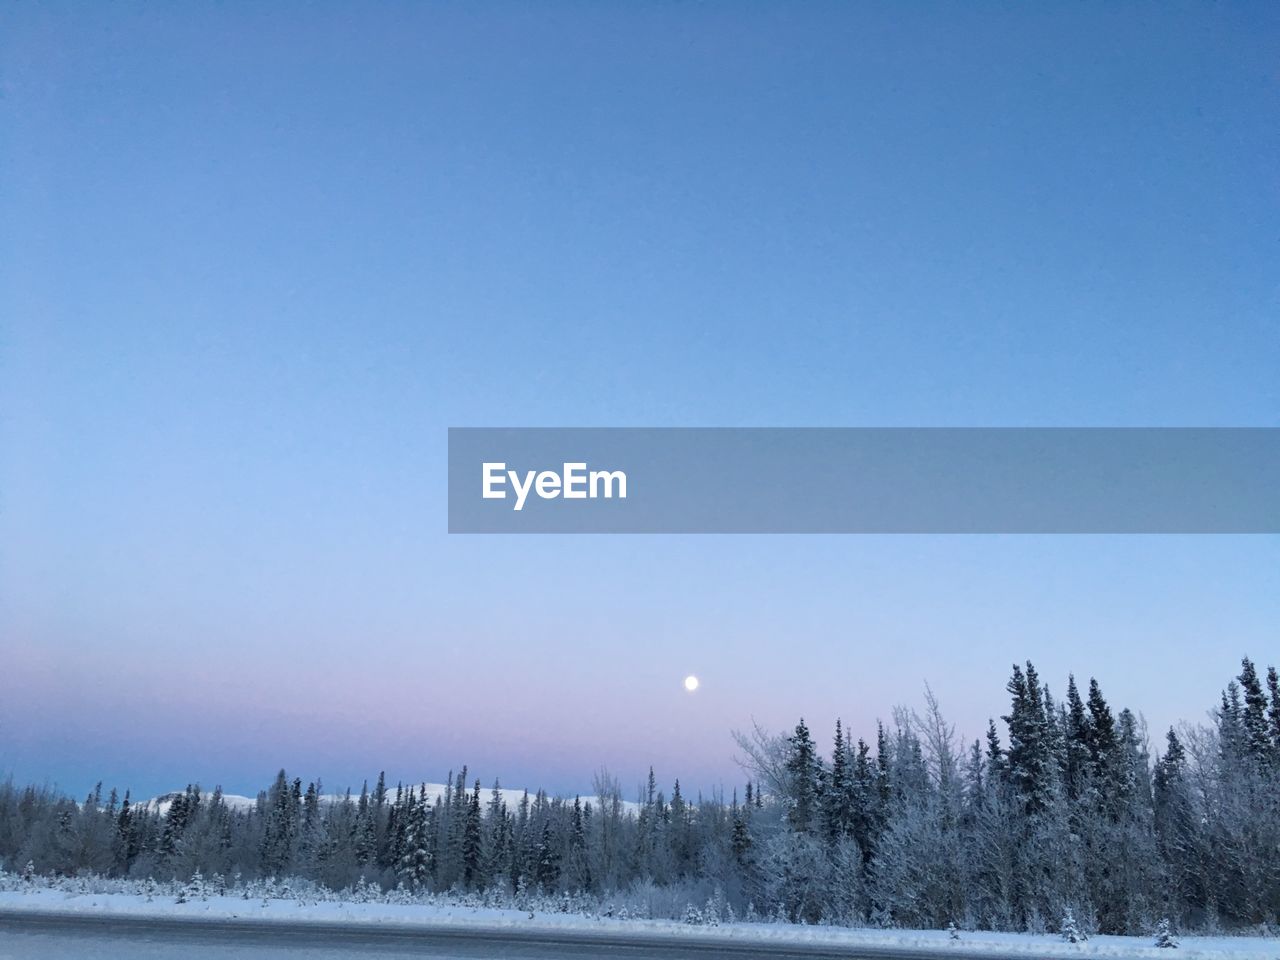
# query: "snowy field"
[[392, 929]]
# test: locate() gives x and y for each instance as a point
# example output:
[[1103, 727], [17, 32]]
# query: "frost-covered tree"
[[414, 869], [803, 775]]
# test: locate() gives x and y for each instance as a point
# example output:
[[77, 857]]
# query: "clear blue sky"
[[256, 258]]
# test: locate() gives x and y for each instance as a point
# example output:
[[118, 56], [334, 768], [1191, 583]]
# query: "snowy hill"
[[162, 803]]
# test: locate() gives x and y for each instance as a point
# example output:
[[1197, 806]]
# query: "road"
[[69, 937]]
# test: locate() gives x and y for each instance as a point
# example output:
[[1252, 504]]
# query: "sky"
[[256, 259]]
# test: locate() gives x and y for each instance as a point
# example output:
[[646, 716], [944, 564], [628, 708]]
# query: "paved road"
[[26, 937]]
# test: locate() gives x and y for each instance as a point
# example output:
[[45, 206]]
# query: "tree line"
[[1067, 812]]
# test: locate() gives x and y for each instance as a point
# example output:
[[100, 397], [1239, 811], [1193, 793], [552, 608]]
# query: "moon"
[[691, 683]]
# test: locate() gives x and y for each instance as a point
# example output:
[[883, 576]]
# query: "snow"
[[162, 803], [52, 903]]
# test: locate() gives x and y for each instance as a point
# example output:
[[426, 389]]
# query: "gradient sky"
[[254, 259]]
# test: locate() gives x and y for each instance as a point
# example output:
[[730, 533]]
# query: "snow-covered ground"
[[43, 901]]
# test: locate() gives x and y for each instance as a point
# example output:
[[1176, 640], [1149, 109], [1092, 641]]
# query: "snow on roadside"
[[50, 902]]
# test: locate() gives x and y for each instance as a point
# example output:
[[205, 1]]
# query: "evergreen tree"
[[802, 768], [997, 766], [839, 796], [1030, 757], [280, 829], [1273, 712], [868, 813], [1101, 738], [1253, 719], [472, 865], [414, 869], [547, 860], [1077, 755]]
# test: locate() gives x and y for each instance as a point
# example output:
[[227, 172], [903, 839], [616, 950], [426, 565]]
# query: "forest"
[[1062, 810]]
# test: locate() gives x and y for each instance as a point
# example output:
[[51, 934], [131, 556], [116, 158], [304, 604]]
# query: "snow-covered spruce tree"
[[546, 863], [803, 774], [1255, 727], [497, 839], [838, 797], [1177, 830], [1111, 818], [1273, 711], [866, 814], [1069, 930], [678, 833], [577, 865], [280, 829], [1075, 755], [193, 889], [365, 839], [742, 841], [1030, 759], [415, 863], [473, 875], [1164, 934], [313, 838]]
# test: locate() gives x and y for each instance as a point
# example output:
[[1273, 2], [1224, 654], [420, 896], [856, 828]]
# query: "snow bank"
[[36, 900]]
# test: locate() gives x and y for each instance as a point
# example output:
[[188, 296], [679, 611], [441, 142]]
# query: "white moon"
[[691, 683]]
